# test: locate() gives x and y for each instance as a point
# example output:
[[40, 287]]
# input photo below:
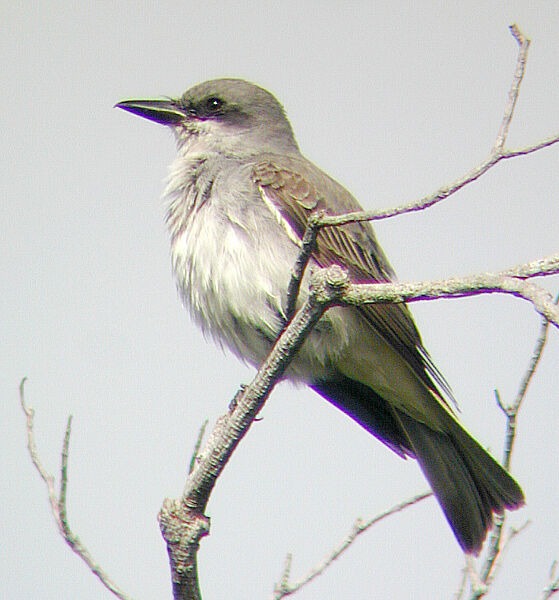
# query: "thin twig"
[[497, 154], [545, 143], [513, 532], [284, 588], [442, 193], [283, 583], [495, 550], [524, 44], [58, 503], [462, 585], [196, 448], [64, 478], [512, 411], [307, 248], [553, 583], [479, 587]]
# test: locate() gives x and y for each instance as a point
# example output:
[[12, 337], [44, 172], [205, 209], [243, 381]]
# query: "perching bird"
[[239, 197]]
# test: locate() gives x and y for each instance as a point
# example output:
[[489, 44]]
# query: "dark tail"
[[468, 483]]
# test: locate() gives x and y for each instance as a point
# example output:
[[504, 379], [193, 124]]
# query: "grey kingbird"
[[239, 195]]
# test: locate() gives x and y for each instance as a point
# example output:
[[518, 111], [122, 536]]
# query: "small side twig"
[[197, 445], [496, 155], [511, 412], [495, 547], [479, 587], [524, 44], [553, 583], [462, 585], [283, 588], [58, 501], [307, 248], [506, 541]]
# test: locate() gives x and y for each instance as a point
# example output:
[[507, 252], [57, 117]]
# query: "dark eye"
[[214, 105]]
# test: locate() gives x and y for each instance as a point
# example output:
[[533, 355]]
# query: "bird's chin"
[[190, 141], [184, 132]]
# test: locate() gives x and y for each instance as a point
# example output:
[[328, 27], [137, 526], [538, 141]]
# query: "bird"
[[239, 196]]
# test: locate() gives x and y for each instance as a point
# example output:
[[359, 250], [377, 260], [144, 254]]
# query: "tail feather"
[[468, 483]]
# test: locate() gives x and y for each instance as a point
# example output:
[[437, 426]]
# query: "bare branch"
[[545, 143], [64, 479], [462, 586], [498, 153], [479, 587], [553, 583], [502, 282], [307, 248], [58, 503], [508, 281], [498, 561], [512, 411], [524, 44], [442, 193], [196, 449], [495, 551], [182, 521], [283, 588]]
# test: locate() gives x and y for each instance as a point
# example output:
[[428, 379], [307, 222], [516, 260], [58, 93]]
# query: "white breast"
[[233, 287], [232, 261]]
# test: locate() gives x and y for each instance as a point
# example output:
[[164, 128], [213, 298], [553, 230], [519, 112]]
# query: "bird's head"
[[222, 115]]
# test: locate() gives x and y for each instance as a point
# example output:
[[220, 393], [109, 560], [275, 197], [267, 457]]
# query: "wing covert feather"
[[297, 188]]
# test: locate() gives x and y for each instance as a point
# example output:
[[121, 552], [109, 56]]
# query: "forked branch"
[[57, 500]]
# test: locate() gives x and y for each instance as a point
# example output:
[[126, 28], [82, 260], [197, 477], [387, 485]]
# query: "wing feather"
[[296, 188]]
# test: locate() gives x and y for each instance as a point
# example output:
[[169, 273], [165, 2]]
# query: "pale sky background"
[[394, 99]]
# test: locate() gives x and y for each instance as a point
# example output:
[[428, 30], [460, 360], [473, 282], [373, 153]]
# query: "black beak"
[[166, 112]]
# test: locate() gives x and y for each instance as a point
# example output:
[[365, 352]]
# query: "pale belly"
[[234, 284]]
